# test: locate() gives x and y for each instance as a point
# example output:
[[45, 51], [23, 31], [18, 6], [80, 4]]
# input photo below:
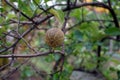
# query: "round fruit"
[[54, 37]]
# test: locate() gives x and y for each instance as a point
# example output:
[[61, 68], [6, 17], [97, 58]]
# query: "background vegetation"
[[91, 45]]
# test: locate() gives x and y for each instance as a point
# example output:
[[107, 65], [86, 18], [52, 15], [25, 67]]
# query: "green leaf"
[[1, 9], [46, 1], [113, 31], [2, 29], [92, 31], [58, 14], [26, 9], [112, 69], [78, 35], [49, 58], [32, 6], [37, 1], [10, 16], [26, 72], [78, 13], [98, 35], [56, 57]]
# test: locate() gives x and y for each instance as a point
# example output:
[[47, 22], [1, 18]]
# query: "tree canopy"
[[91, 39]]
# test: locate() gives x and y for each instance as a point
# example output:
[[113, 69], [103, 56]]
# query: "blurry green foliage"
[[81, 42], [26, 72]]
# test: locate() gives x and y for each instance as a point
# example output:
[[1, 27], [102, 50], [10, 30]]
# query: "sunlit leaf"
[[10, 15], [58, 14], [32, 6], [2, 30], [37, 1], [79, 13], [92, 31]]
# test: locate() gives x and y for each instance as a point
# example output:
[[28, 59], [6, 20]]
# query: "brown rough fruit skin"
[[54, 37]]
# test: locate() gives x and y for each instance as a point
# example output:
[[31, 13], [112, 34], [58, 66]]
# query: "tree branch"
[[29, 55], [98, 4]]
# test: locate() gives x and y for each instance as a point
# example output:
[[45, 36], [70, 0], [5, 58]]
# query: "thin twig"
[[29, 55], [9, 73], [84, 21], [18, 10]]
